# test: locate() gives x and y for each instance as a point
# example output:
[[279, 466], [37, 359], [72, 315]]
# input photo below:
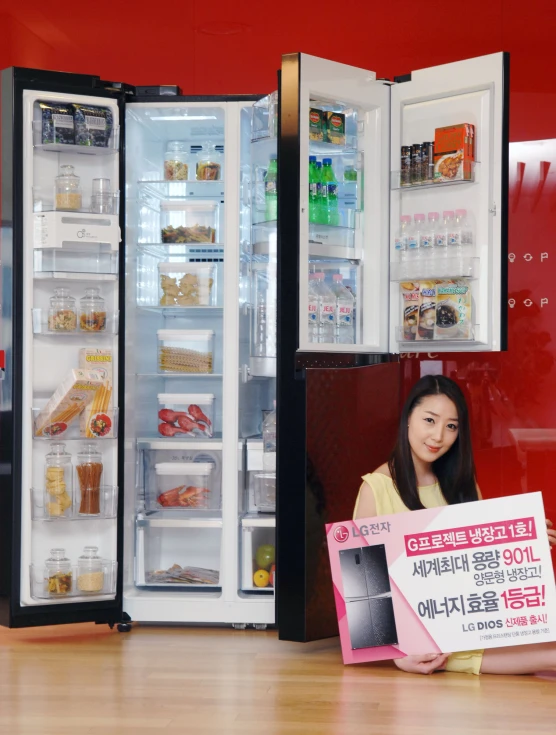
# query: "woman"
[[432, 465]]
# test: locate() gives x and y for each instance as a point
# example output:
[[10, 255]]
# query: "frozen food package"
[[57, 123], [316, 131], [93, 125], [410, 309], [70, 398], [335, 126], [453, 310], [427, 309], [454, 152]]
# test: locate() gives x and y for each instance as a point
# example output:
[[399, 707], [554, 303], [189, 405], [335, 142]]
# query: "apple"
[[265, 556]]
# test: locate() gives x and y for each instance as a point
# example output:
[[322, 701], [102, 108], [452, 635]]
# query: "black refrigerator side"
[[327, 403], [62, 261]]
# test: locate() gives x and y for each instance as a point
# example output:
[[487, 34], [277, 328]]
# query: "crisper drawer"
[[177, 554], [258, 554]]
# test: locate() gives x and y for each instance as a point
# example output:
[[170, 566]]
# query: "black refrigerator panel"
[[353, 574], [384, 622], [361, 631], [376, 569]]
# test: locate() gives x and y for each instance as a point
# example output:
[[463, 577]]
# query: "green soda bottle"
[[329, 197], [271, 190], [314, 190]]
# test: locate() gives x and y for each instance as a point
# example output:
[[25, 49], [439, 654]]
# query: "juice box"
[[335, 126], [316, 128], [454, 152]]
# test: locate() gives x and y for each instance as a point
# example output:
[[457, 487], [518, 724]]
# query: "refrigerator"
[[200, 246]]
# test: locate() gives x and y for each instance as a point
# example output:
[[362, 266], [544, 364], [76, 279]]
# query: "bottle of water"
[[269, 441], [400, 241], [313, 310], [412, 246], [326, 313], [442, 236], [426, 240], [429, 237], [344, 311], [466, 231]]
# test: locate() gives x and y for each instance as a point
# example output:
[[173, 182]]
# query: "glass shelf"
[[89, 261], [184, 376], [429, 345], [110, 150], [431, 269], [165, 190], [108, 502], [71, 276], [40, 325], [395, 181], [39, 584], [320, 148], [165, 251], [180, 519], [51, 429], [45, 204], [187, 444], [184, 312]]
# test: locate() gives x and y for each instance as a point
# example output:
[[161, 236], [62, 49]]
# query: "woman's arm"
[[366, 503]]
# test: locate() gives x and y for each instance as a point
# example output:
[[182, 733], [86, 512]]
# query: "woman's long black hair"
[[455, 470]]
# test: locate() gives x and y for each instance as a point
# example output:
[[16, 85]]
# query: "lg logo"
[[341, 534]]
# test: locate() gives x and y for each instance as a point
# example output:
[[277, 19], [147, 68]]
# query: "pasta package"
[[98, 421], [427, 310], [453, 310], [69, 400]]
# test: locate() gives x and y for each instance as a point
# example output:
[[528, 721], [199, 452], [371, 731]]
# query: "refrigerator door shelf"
[[43, 202], [396, 183], [184, 312], [473, 341], [41, 324], [168, 190], [111, 149], [88, 262], [55, 229], [434, 268], [78, 584], [108, 502], [254, 520], [105, 426]]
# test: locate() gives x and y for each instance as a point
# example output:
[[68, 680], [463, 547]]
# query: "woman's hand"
[[551, 533], [424, 663]]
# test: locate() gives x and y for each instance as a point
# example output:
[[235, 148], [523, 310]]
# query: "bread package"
[[75, 392]]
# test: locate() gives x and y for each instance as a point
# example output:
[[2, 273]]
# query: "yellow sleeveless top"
[[388, 502]]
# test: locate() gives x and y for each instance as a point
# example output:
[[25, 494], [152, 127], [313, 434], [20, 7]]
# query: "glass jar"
[[68, 190], [175, 161], [90, 572], [89, 475], [209, 166], [58, 573], [92, 311], [62, 315], [58, 481], [102, 201]]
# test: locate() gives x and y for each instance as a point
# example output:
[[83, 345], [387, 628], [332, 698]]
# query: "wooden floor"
[[84, 679]]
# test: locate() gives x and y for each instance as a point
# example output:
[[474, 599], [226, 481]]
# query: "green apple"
[[265, 556]]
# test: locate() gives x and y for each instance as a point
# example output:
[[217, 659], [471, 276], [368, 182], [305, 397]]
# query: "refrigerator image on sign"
[[367, 595]]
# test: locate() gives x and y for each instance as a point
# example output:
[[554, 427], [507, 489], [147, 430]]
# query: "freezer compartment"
[[184, 485], [52, 323], [185, 350], [186, 284], [72, 585], [192, 413], [177, 556], [187, 474], [258, 555], [44, 509], [90, 260], [89, 424]]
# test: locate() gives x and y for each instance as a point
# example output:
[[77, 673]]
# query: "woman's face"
[[433, 427]]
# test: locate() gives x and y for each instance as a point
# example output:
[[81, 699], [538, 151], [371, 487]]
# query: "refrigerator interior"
[[182, 543], [58, 510]]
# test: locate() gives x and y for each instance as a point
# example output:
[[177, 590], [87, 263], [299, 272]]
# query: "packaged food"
[[68, 190], [427, 310], [186, 284], [57, 123], [89, 474], [75, 392], [175, 166], [454, 152], [62, 314], [92, 316], [335, 126], [453, 310], [185, 350], [405, 168], [98, 419], [58, 481], [410, 309], [101, 361], [316, 131], [93, 125], [59, 573]]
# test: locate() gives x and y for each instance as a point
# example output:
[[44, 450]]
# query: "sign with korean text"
[[454, 578]]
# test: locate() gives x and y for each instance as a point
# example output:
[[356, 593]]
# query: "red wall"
[[221, 47]]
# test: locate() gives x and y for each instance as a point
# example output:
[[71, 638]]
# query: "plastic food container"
[[185, 413], [185, 350], [186, 284], [186, 485], [264, 487], [183, 222]]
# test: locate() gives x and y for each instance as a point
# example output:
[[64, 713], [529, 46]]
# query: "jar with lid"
[[58, 573], [102, 199], [62, 314], [58, 481], [209, 164], [89, 475], [90, 571], [68, 190], [92, 316], [175, 161]]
